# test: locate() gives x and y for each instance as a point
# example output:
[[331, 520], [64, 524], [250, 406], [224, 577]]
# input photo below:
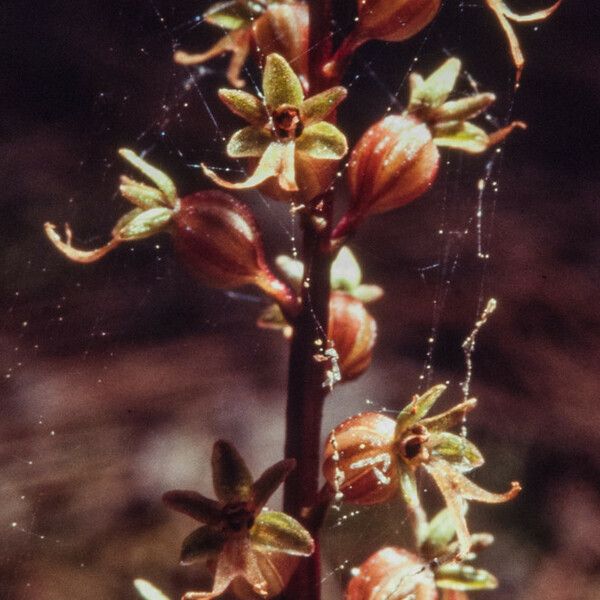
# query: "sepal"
[[277, 532]]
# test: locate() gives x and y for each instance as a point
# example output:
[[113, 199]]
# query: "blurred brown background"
[[117, 377]]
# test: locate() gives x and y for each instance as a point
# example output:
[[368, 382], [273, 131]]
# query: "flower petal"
[[410, 493], [455, 488], [345, 271], [204, 543], [463, 578], [440, 532], [277, 532], [280, 84], [275, 162], [229, 15], [75, 254], [194, 505], [264, 487], [434, 91], [463, 109], [461, 135], [231, 478], [451, 418], [162, 181], [455, 449], [142, 195], [322, 141], [319, 107], [443, 475], [144, 224], [244, 105], [248, 142], [418, 408]]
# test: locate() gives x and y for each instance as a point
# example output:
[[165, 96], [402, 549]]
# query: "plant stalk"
[[306, 393]]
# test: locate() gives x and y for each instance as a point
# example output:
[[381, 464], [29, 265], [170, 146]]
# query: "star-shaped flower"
[[287, 133], [370, 455], [240, 539]]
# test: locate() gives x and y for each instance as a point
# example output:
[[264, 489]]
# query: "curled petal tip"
[[81, 256]]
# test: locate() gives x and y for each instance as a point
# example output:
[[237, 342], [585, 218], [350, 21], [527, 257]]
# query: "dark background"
[[117, 377]]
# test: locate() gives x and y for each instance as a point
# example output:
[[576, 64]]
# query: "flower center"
[[287, 124], [238, 515], [412, 445]]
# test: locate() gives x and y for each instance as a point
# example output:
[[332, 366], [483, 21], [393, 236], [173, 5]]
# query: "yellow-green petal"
[[322, 141], [318, 107], [461, 136], [162, 181], [418, 408], [280, 84], [244, 105], [463, 578], [434, 91], [277, 532], [248, 142], [455, 449], [229, 15], [143, 224], [464, 108]]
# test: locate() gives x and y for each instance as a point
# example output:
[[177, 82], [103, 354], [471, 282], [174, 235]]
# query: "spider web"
[[66, 345]]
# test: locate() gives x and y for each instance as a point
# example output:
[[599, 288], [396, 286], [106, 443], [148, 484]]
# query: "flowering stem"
[[306, 393]]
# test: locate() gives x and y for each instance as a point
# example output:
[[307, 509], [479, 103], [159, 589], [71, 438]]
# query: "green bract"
[[285, 129], [239, 534]]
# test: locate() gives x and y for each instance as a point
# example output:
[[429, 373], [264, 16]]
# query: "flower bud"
[[394, 20], [359, 462], [393, 163], [392, 574], [353, 332], [283, 29], [218, 238]]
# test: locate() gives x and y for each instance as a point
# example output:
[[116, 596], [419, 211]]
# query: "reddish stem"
[[306, 393]]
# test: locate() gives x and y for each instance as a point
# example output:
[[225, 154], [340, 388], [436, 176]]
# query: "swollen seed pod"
[[218, 239], [392, 574], [394, 20], [283, 29], [393, 163], [353, 332], [359, 461]]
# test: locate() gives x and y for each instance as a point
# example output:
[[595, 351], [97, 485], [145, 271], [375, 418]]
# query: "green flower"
[[421, 441], [285, 130], [449, 120], [239, 537]]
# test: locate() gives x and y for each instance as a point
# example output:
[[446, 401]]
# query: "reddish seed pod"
[[283, 29], [394, 20], [353, 331], [394, 162], [359, 462], [392, 574], [218, 239]]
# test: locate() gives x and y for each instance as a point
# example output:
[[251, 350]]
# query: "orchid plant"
[[296, 152]]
